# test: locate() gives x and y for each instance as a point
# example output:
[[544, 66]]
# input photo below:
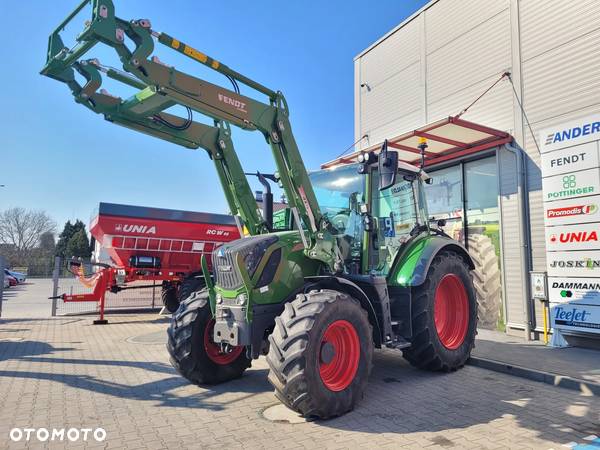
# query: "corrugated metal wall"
[[448, 53]]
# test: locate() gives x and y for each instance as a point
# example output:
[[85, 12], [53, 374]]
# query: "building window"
[[466, 195]]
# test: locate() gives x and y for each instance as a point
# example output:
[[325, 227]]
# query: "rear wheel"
[[190, 344], [486, 280], [320, 354], [444, 316]]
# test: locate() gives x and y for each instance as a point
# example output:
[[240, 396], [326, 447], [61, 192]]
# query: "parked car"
[[6, 282], [20, 277], [11, 280]]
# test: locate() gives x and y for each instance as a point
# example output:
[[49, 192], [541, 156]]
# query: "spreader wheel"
[[190, 344], [320, 354], [444, 316], [169, 296]]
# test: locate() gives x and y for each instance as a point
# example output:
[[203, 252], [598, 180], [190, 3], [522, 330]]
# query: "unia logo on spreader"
[[570, 188], [568, 211], [129, 228]]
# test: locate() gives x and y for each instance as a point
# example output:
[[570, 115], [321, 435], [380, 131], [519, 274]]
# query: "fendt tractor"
[[358, 268]]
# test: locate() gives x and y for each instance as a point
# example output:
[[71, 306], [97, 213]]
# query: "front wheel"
[[190, 343], [320, 354], [444, 316]]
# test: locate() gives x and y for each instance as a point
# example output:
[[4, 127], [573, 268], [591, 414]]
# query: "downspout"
[[523, 205]]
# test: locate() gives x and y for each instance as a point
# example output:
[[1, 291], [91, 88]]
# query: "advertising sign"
[[568, 134], [571, 185], [573, 237], [564, 212], [580, 157], [575, 317], [573, 264], [571, 191], [584, 291]]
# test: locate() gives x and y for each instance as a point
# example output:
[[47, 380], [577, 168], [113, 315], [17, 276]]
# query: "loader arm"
[[144, 112], [163, 86]]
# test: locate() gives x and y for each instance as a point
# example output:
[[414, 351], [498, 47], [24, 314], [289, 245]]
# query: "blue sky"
[[57, 156]]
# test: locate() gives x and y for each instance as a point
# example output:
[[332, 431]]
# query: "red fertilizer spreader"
[[135, 243]]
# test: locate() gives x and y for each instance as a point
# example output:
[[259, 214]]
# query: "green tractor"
[[357, 268]]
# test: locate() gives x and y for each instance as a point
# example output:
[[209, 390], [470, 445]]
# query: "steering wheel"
[[340, 222]]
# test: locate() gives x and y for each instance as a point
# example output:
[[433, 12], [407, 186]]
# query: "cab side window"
[[394, 210]]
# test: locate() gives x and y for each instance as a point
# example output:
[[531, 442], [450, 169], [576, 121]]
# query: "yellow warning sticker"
[[193, 53]]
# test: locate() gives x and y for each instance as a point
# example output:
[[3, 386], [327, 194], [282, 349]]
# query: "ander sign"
[[586, 129]]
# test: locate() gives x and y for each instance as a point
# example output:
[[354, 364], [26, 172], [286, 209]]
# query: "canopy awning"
[[447, 139]]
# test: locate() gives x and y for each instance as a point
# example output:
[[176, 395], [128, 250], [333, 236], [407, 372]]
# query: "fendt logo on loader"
[[129, 228], [240, 106]]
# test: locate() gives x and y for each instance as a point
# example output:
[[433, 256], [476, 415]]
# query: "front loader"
[[360, 269]]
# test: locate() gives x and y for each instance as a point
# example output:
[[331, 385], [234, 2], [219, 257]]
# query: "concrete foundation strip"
[[586, 387]]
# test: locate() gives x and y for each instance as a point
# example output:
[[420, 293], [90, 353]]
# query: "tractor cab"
[[373, 218]]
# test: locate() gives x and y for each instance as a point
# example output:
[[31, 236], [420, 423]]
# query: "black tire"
[[486, 280], [169, 296], [295, 352], [427, 351], [186, 345]]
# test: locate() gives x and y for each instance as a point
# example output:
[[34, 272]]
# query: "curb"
[[552, 379]]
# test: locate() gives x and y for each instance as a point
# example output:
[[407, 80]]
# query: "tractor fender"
[[352, 289], [435, 245]]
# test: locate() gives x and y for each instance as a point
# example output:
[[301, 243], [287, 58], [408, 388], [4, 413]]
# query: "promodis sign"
[[573, 237], [571, 211], [575, 211]]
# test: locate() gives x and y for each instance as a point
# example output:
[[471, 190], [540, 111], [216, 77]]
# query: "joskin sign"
[[571, 189]]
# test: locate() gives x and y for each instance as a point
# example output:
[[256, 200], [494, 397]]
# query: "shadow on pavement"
[[401, 399], [23, 349], [254, 382]]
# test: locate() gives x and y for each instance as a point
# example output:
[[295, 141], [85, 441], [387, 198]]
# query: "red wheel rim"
[[338, 369], [451, 311], [214, 351]]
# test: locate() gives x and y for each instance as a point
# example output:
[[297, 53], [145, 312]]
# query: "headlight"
[[241, 299]]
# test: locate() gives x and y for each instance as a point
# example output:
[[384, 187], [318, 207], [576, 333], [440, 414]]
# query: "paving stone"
[[67, 373]]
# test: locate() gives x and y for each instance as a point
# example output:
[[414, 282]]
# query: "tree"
[[78, 245], [47, 244], [22, 229], [65, 236]]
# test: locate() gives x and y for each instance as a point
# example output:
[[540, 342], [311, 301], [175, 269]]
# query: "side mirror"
[[387, 166]]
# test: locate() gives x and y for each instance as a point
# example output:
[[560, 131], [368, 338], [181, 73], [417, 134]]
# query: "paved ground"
[[65, 372], [28, 300], [579, 363]]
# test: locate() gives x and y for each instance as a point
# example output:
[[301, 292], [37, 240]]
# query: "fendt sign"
[[571, 190]]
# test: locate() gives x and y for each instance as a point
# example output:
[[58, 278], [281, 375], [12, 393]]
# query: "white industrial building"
[[436, 63]]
